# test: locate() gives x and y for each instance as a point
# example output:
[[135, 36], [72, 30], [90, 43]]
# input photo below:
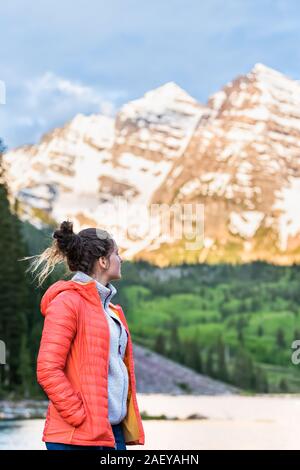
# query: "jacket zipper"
[[124, 380], [103, 307], [122, 369], [107, 367]]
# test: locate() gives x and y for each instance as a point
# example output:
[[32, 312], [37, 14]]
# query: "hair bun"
[[67, 240], [66, 227]]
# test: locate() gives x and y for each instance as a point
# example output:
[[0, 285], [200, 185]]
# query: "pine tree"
[[160, 344], [283, 386], [260, 330], [209, 366], [240, 325], [296, 333], [243, 370], [192, 355], [175, 349], [261, 380], [25, 369], [14, 291], [222, 372], [280, 339]]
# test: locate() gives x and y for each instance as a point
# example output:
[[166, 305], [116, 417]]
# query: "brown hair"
[[79, 251]]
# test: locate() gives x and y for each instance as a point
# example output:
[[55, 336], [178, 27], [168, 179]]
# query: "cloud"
[[63, 96], [48, 101]]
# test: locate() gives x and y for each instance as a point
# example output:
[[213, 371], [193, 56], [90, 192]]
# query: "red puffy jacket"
[[72, 368]]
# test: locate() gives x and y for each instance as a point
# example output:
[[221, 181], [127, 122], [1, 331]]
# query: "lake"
[[231, 422]]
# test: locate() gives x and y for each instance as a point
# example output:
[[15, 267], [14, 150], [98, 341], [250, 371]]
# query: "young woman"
[[85, 362]]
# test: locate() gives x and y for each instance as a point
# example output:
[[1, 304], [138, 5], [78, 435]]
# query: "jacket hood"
[[88, 290]]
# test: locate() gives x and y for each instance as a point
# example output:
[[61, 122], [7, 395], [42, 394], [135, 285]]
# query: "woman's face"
[[114, 262]]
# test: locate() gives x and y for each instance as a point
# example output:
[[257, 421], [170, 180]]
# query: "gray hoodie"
[[117, 372]]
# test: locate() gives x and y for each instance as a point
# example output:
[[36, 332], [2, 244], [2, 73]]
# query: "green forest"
[[235, 323]]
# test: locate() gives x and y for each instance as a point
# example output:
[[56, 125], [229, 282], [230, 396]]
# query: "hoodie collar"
[[106, 292]]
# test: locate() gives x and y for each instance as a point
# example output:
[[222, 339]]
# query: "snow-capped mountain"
[[239, 156]]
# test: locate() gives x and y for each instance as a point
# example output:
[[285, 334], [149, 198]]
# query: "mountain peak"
[[169, 90], [167, 94], [262, 68], [271, 76], [165, 100], [160, 99]]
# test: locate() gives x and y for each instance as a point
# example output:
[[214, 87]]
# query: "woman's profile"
[[85, 361]]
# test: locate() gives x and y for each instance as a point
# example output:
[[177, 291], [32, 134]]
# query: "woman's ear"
[[103, 262]]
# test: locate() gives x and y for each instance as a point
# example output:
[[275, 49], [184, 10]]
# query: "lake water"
[[232, 422]]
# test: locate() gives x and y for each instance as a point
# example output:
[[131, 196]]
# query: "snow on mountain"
[[93, 168], [162, 122], [243, 164], [239, 156], [63, 169]]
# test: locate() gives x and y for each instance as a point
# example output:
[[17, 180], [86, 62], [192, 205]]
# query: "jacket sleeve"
[[58, 333]]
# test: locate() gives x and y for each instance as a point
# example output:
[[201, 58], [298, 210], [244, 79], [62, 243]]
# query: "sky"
[[62, 57]]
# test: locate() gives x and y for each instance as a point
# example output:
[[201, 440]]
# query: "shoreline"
[[160, 406]]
